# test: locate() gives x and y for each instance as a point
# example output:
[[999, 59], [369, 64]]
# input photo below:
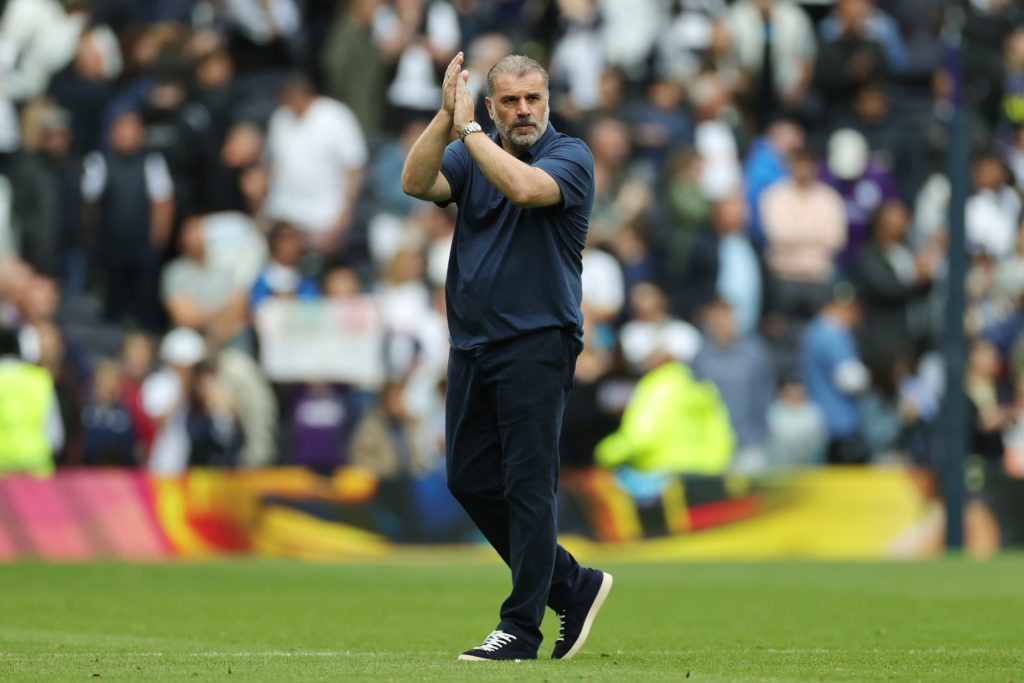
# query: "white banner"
[[322, 340]]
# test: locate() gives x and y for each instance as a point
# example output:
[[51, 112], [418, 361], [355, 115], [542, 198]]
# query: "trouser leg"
[[504, 417]]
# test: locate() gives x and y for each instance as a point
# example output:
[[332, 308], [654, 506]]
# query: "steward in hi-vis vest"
[[26, 399]]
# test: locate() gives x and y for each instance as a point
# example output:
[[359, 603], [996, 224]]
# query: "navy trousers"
[[503, 420]]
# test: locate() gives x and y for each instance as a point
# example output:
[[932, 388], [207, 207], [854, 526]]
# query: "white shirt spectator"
[[631, 28], [310, 159], [721, 174], [604, 290], [38, 38], [162, 400], [263, 20], [640, 339], [992, 217], [416, 85], [577, 64], [793, 40]]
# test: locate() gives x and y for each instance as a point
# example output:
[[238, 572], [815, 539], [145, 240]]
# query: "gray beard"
[[521, 143]]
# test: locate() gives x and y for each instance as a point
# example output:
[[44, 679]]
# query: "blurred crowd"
[[764, 280]]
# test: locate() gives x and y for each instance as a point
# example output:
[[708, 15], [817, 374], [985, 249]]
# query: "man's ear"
[[487, 103]]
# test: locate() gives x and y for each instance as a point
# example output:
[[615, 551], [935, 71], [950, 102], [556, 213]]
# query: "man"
[[835, 375], [49, 206], [133, 191], [317, 153], [513, 296], [202, 296], [31, 430]]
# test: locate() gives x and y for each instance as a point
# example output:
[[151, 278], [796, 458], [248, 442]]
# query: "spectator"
[[687, 207], [214, 433], [109, 432], [891, 283], [387, 165], [165, 398], [282, 277], [420, 38], [619, 196], [389, 441], [863, 185], [31, 424], [673, 424], [715, 137], [630, 32], [738, 365], [40, 37], [321, 423], [878, 26], [200, 296], [835, 375], [724, 265], [136, 365], [797, 433], [214, 95], [181, 132], [49, 205], [775, 44], [240, 153], [85, 87], [354, 67], [316, 154], [994, 210], [262, 36], [850, 60], [766, 164], [653, 334], [805, 228], [133, 193], [661, 125]]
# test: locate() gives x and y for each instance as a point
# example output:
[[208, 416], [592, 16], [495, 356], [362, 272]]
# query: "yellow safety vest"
[[26, 392], [673, 423]]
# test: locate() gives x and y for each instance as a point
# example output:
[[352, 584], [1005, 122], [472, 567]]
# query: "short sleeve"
[[455, 166], [173, 280], [572, 166], [159, 185], [348, 138]]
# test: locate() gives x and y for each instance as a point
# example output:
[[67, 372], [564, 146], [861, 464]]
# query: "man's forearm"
[[424, 160], [524, 185]]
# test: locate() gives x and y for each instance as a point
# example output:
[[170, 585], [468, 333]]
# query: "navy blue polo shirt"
[[513, 271]]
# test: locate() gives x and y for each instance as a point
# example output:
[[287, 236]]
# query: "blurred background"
[[223, 323]]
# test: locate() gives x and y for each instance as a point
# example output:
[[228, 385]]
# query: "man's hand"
[[451, 78], [464, 111]]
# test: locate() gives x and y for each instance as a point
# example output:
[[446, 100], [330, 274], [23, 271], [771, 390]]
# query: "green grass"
[[252, 620]]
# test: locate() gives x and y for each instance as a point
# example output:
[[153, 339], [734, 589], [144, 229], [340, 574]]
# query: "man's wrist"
[[468, 129]]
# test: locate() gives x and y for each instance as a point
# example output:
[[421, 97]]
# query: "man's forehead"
[[511, 84]]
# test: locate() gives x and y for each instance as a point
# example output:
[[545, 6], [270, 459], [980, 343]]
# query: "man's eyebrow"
[[516, 97]]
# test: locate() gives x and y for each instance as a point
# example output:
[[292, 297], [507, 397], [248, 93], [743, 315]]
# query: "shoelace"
[[561, 626], [495, 640]]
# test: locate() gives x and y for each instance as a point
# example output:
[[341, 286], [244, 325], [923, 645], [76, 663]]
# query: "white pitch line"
[[674, 653]]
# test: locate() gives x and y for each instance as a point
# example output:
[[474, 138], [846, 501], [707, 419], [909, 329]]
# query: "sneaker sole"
[[602, 593], [473, 658]]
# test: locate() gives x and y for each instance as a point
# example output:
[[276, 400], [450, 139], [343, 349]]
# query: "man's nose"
[[522, 108]]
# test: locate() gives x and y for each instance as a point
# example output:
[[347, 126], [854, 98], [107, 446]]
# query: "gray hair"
[[516, 65]]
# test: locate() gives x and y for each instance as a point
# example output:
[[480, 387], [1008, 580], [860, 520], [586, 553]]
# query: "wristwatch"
[[471, 127]]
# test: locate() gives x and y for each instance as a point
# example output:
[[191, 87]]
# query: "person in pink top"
[[805, 227]]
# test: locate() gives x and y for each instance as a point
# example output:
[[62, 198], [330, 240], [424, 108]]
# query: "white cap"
[[182, 346], [847, 154]]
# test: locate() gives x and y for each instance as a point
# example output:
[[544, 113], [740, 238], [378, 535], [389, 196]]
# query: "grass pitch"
[[254, 620]]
